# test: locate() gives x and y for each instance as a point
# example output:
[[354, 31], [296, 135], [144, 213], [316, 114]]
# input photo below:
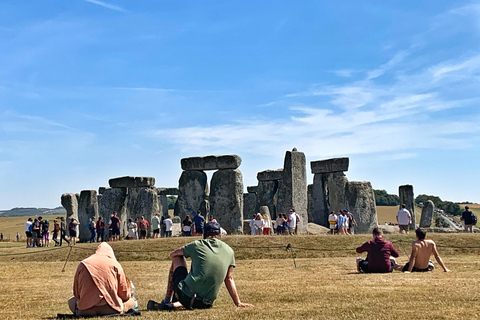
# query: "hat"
[[345, 210], [211, 228]]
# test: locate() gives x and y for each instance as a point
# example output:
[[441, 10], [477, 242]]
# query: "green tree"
[[382, 198], [171, 202]]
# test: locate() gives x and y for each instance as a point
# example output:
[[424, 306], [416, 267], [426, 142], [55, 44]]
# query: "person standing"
[[332, 221], [56, 229], [100, 230], [156, 225], [187, 226], [467, 216], [143, 228], [267, 222], [342, 223], [379, 254], [212, 264], [198, 221], [72, 229], [114, 223], [292, 221], [132, 230], [28, 232], [404, 219], [351, 222], [168, 226], [36, 232], [63, 231], [92, 226]]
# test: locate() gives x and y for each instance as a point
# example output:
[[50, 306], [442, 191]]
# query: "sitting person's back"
[[100, 286], [422, 249], [379, 252]]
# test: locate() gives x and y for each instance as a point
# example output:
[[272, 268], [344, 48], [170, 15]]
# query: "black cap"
[[211, 228]]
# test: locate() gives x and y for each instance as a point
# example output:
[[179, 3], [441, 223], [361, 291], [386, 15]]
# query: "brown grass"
[[324, 285], [388, 214]]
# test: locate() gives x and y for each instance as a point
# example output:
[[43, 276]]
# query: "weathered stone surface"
[[270, 175], [427, 214], [294, 193], [142, 202], [249, 204], [226, 199], [87, 208], [361, 203], [315, 229], [252, 189], [388, 229], [101, 190], [266, 195], [167, 191], [113, 199], [131, 182], [264, 210], [330, 165], [192, 190], [310, 202], [164, 204], [211, 162], [328, 194], [99, 197], [204, 208], [405, 193], [70, 202], [176, 219]]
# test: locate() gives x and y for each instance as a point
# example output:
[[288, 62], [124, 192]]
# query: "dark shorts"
[[430, 267], [198, 231], [363, 264], [156, 231], [28, 234], [179, 275], [73, 233], [143, 233], [403, 227], [116, 231]]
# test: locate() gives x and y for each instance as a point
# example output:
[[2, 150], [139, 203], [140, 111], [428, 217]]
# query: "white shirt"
[[332, 218], [132, 230], [403, 216], [292, 220], [168, 224], [267, 223], [27, 225]]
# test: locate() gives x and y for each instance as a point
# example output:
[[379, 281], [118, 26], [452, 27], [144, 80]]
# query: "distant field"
[[388, 214], [9, 226]]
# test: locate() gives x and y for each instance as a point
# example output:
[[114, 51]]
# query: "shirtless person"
[[420, 257]]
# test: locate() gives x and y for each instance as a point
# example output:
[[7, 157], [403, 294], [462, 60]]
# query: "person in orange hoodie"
[[100, 286]]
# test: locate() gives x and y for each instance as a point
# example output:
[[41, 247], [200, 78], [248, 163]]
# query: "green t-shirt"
[[211, 259]]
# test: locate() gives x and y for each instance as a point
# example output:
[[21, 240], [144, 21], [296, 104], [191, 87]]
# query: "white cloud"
[[106, 5]]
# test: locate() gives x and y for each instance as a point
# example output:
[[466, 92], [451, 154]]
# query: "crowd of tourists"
[[284, 224], [342, 223]]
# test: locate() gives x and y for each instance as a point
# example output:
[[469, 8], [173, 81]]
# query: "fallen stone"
[[131, 182], [316, 229], [211, 162], [330, 165], [388, 229]]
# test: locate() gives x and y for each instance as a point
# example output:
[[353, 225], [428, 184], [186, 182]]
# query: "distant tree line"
[[447, 206], [171, 202], [382, 198]]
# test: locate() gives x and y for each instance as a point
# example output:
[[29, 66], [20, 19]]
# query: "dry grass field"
[[388, 214], [323, 285]]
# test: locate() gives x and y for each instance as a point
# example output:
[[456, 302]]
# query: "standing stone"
[[164, 203], [192, 190], [266, 195], [295, 187], [427, 214], [141, 202], [252, 189], [328, 193], [264, 210], [204, 208], [249, 204], [310, 202], [405, 193], [361, 203], [87, 208], [70, 203], [113, 199], [226, 199]]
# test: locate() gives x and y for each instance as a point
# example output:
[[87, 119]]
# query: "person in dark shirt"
[[467, 219], [379, 254]]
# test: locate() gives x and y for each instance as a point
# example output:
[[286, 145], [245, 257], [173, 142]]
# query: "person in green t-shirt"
[[212, 263]]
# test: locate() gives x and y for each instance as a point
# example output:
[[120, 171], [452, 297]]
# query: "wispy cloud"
[[106, 5]]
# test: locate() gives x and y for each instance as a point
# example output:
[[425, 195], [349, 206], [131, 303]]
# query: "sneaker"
[[152, 305]]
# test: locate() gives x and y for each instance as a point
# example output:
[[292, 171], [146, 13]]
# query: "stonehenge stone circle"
[[266, 196], [427, 214], [87, 208], [211, 163], [405, 193], [310, 202], [330, 165], [141, 202], [192, 190], [270, 175], [70, 202], [252, 189], [113, 199], [131, 182], [226, 199]]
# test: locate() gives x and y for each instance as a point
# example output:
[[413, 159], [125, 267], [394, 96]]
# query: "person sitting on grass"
[[100, 286], [379, 254], [420, 257], [212, 263]]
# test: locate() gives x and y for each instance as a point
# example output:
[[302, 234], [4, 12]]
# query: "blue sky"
[[91, 90]]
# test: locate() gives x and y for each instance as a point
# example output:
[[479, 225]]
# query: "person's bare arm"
[[232, 289], [439, 259], [177, 253], [413, 256]]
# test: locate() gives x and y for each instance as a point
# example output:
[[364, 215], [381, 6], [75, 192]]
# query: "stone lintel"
[[167, 191], [211, 163], [131, 182], [330, 165], [252, 189], [270, 175]]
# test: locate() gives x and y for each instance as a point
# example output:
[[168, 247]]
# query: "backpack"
[[143, 225], [90, 226], [474, 219]]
